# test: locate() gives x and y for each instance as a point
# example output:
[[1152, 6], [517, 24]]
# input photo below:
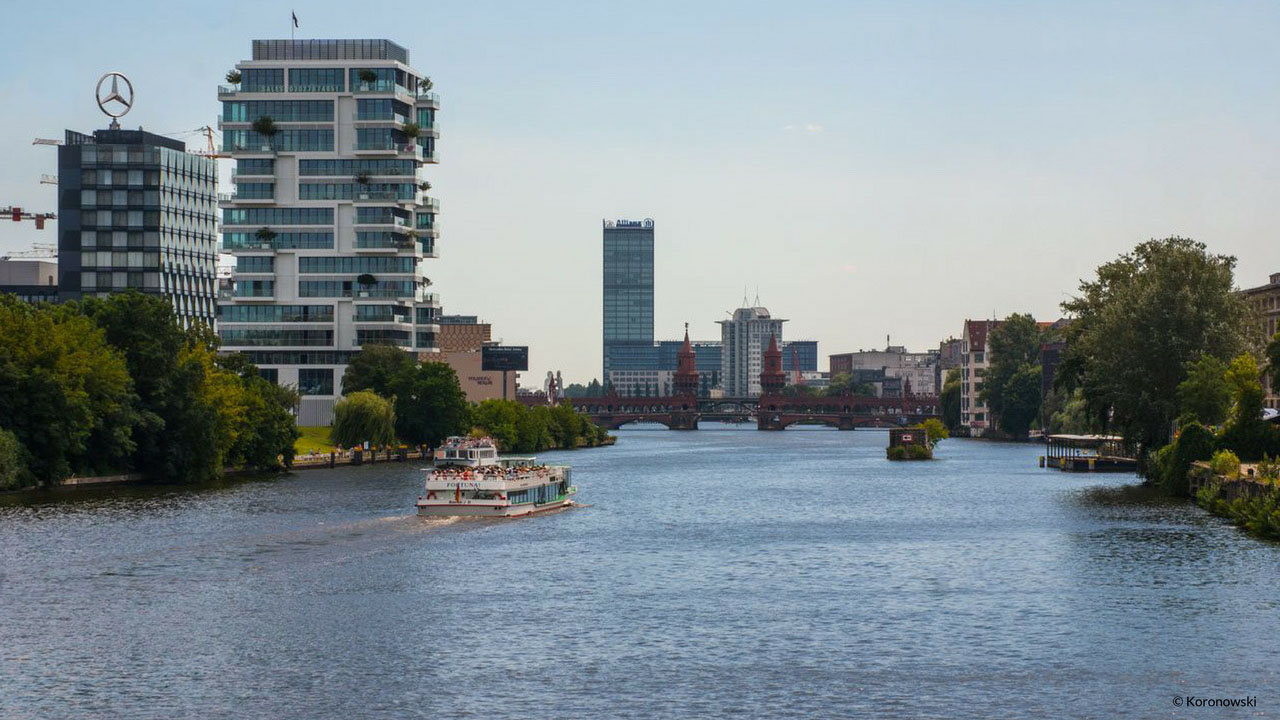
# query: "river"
[[724, 572]]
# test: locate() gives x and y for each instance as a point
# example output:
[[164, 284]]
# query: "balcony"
[[393, 242], [228, 90], [430, 100], [397, 118], [240, 199], [389, 148], [365, 196]]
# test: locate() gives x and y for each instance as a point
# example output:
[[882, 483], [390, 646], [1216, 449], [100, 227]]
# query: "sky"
[[873, 168]]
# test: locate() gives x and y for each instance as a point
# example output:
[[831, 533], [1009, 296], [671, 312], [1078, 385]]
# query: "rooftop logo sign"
[[113, 104]]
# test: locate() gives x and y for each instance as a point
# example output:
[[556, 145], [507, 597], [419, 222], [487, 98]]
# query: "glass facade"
[[628, 297], [137, 211]]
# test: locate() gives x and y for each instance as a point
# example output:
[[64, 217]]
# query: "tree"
[[65, 393], [1021, 401], [429, 403], [1246, 433], [1204, 395], [934, 431], [1073, 417], [1139, 322], [1012, 347], [499, 419], [373, 369], [843, 384], [363, 417], [12, 467], [950, 399]]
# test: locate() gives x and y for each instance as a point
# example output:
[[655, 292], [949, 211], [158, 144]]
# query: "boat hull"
[[478, 510]]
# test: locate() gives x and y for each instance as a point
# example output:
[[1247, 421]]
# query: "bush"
[[919, 452], [1225, 463], [1194, 442], [908, 452], [1269, 469], [11, 465], [363, 416]]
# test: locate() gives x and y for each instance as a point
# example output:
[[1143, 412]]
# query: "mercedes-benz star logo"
[[121, 104]]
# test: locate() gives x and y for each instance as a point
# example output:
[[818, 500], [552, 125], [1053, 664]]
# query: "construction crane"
[[17, 215], [211, 148]]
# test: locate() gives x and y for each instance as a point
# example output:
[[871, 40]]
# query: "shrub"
[[919, 452], [1225, 463], [11, 465], [1269, 469], [897, 452], [1195, 442]]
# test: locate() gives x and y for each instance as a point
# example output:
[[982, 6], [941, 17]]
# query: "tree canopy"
[[1139, 322], [362, 417]]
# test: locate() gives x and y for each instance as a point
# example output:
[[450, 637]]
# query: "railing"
[[381, 117], [429, 98], [228, 89], [370, 195], [400, 243], [381, 86], [431, 204]]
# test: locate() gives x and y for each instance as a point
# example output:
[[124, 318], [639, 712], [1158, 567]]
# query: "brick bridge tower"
[[772, 379], [684, 407]]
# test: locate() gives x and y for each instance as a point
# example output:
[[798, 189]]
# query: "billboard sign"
[[504, 357]]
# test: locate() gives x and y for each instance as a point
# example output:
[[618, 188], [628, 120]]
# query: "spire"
[[686, 378]]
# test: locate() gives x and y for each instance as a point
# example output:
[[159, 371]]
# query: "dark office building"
[[800, 355], [136, 210], [628, 297]]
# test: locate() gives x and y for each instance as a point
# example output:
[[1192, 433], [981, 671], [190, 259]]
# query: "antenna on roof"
[[757, 296]]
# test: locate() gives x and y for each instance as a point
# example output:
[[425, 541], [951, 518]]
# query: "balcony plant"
[[266, 127], [367, 78], [266, 236], [365, 281], [411, 130], [424, 186], [233, 76], [425, 84]]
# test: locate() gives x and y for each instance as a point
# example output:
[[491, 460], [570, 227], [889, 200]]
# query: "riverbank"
[[1251, 502]]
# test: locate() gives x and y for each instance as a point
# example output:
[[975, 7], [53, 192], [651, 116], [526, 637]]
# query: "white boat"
[[469, 478]]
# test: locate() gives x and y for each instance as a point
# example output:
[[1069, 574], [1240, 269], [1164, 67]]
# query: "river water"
[[724, 572]]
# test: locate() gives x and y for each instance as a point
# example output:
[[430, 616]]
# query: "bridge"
[[770, 412], [773, 410]]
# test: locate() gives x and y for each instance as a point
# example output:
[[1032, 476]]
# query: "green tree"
[[1139, 322], [1021, 401], [12, 467], [375, 368], [1204, 395], [1273, 361], [1246, 433], [272, 428], [1072, 417], [950, 399], [499, 419], [145, 330], [1012, 346], [429, 403], [65, 393], [934, 431], [361, 417]]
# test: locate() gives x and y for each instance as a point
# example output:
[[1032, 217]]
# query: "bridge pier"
[[683, 421]]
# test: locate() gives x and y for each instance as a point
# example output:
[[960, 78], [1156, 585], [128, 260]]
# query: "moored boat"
[[470, 478]]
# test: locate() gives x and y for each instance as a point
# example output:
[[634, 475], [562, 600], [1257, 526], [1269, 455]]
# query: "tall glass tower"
[[628, 298], [330, 223]]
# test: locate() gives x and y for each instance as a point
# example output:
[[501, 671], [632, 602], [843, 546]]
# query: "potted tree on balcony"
[[266, 127], [367, 78], [266, 236], [363, 180], [233, 76], [366, 281]]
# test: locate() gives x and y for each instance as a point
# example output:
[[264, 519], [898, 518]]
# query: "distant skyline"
[[873, 168]]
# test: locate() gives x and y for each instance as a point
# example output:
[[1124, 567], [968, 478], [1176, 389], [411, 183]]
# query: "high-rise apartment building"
[[744, 338], [137, 211], [628, 299], [330, 222]]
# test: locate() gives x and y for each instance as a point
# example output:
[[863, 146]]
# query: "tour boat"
[[470, 479]]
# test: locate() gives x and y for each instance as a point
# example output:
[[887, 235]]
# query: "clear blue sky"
[[873, 167]]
